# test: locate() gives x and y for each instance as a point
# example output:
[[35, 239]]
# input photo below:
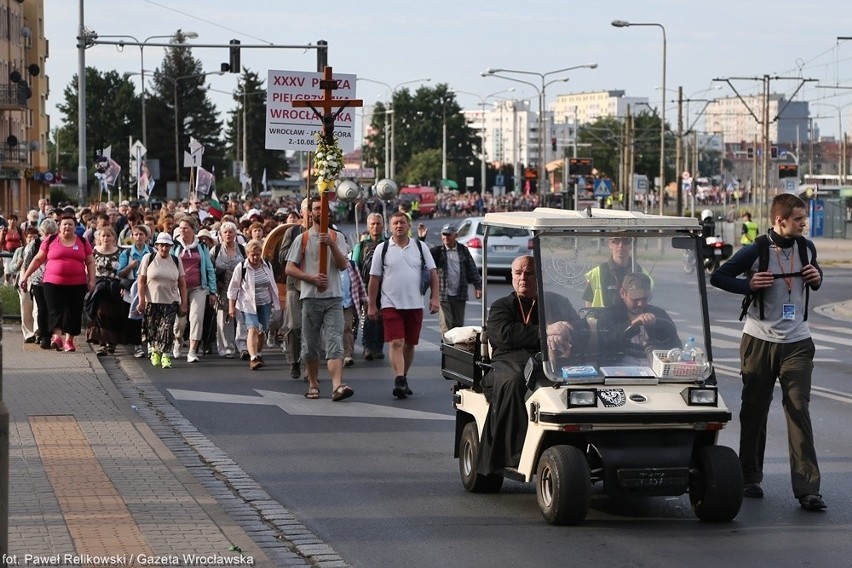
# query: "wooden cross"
[[327, 116]]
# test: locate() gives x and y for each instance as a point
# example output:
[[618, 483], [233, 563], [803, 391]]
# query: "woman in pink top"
[[69, 273]]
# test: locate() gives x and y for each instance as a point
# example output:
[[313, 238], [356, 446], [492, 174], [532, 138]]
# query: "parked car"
[[505, 244]]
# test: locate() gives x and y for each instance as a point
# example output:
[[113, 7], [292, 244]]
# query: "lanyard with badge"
[[788, 310]]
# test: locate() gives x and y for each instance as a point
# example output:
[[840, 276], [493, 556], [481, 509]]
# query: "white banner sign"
[[290, 128]]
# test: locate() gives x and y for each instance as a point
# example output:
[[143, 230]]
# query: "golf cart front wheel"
[[563, 485], [716, 492], [473, 481]]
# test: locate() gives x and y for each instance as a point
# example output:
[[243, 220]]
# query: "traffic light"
[[750, 152], [553, 144], [788, 171], [773, 152], [234, 64], [322, 55]]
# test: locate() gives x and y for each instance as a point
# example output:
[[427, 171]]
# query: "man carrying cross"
[[321, 292]]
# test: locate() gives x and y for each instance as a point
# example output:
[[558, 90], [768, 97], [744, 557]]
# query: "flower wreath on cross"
[[328, 162]]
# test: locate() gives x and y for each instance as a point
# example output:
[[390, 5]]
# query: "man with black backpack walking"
[[780, 269], [401, 270]]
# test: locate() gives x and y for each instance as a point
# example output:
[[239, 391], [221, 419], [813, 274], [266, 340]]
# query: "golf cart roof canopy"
[[545, 218]]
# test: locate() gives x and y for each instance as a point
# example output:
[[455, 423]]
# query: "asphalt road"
[[376, 479]]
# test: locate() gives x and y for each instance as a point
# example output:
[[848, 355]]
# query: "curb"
[[269, 524]]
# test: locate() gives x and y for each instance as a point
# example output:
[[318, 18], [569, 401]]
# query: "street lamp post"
[[625, 24], [392, 91], [542, 170], [482, 103], [175, 81], [142, 71], [841, 152]]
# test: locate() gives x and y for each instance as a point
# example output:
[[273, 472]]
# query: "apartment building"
[[586, 107], [740, 120], [24, 89]]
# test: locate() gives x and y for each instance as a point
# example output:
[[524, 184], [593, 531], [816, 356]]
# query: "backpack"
[[368, 248], [147, 260], [762, 244]]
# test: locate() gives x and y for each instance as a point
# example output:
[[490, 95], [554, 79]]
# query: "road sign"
[[289, 128], [640, 184], [137, 150], [500, 180], [603, 188], [791, 185], [468, 181]]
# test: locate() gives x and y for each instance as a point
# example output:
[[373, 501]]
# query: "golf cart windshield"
[[637, 308]]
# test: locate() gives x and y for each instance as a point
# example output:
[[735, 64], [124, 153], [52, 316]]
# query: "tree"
[[180, 79], [251, 110], [418, 121], [605, 139], [113, 114]]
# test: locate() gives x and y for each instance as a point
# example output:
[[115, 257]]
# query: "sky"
[[453, 42]]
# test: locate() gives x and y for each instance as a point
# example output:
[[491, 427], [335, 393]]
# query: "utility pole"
[[765, 122], [679, 151]]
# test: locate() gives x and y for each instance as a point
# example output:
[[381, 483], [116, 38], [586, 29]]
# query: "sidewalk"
[[89, 476], [835, 252]]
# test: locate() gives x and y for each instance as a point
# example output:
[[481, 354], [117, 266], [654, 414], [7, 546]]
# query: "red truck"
[[425, 195]]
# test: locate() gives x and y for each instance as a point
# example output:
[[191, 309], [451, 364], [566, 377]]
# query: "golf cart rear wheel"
[[473, 481], [563, 485], [716, 493]]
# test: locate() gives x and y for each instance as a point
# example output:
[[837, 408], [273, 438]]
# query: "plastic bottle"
[[688, 354]]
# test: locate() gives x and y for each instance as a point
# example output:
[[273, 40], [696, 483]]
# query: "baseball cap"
[[449, 229], [164, 239], [637, 285]]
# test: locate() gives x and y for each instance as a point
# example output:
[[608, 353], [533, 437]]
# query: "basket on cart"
[[675, 370]]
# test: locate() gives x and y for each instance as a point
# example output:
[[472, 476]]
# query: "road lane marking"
[[821, 337], [298, 405]]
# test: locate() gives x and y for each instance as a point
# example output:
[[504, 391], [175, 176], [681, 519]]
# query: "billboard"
[[289, 128]]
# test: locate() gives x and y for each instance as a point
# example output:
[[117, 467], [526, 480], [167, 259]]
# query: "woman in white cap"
[[162, 297]]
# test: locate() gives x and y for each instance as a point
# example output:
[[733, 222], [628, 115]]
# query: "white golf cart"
[[630, 414]]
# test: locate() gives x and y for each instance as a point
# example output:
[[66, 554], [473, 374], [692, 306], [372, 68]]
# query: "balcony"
[[14, 157], [13, 96]]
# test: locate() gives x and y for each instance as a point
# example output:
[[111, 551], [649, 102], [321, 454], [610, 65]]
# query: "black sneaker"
[[400, 388], [295, 371], [812, 503], [245, 356], [753, 491], [408, 390]]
